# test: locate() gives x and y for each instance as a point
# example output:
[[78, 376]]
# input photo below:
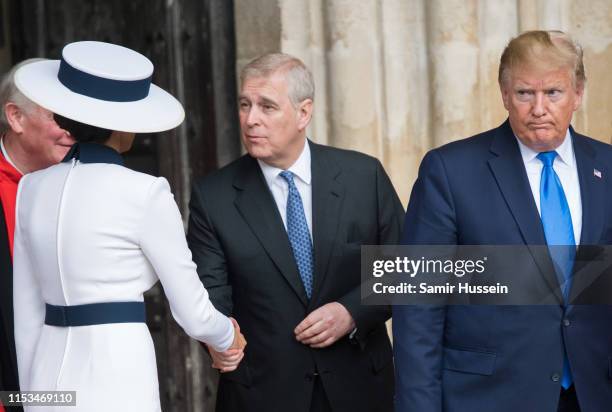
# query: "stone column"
[[395, 78], [591, 25]]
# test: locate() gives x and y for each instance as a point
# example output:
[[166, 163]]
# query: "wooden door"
[[191, 44]]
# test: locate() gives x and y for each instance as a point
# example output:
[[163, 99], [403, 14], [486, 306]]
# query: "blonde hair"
[[299, 79], [543, 49]]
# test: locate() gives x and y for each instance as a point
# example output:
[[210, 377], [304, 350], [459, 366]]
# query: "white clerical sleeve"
[[28, 303], [162, 239]]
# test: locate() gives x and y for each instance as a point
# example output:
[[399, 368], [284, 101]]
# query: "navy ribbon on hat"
[[101, 88]]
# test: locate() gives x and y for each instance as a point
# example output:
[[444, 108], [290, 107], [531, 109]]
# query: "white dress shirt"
[[565, 167], [280, 189]]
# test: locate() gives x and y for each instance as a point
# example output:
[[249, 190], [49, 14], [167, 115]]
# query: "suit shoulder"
[[224, 175], [600, 151], [345, 157], [602, 148], [479, 143]]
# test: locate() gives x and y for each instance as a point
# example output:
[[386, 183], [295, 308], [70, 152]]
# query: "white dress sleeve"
[[28, 303], [162, 239]]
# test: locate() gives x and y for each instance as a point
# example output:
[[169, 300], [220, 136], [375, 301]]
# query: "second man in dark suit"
[[276, 236]]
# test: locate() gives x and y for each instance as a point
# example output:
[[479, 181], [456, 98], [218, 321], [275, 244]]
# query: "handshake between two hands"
[[230, 359], [320, 329]]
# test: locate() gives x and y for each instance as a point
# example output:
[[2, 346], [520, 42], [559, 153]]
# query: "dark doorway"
[[191, 43]]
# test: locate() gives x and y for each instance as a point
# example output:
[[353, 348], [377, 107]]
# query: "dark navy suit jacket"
[[245, 261], [502, 358]]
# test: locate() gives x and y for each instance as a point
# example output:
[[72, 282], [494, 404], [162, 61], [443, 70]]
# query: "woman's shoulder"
[[128, 180], [91, 170], [130, 175], [101, 177]]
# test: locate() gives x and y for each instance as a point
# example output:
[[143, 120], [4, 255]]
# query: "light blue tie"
[[559, 232], [299, 236]]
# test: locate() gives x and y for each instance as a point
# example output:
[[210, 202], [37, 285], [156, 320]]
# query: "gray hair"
[[10, 94], [299, 79]]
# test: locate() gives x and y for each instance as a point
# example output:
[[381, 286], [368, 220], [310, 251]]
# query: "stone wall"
[[395, 78]]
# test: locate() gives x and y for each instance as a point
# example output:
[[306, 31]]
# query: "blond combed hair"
[[550, 49], [300, 82]]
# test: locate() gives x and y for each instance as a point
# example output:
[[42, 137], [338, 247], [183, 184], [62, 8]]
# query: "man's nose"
[[539, 108], [253, 117]]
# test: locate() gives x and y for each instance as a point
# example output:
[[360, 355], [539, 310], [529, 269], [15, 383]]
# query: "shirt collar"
[[301, 167], [565, 151], [6, 155]]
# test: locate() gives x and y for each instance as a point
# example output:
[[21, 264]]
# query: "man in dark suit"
[[531, 181], [276, 236], [31, 140]]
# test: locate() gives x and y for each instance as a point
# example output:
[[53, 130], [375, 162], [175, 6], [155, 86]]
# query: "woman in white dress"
[[92, 236]]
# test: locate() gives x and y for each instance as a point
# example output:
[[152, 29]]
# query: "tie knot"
[[547, 158], [288, 176]]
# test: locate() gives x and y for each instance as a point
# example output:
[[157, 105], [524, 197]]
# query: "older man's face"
[[273, 130], [540, 105], [42, 139]]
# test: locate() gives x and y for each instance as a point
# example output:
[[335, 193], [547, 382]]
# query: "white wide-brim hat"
[[103, 85]]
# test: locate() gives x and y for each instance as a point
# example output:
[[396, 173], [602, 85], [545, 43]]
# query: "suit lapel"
[[591, 190], [592, 194], [327, 196], [258, 208], [509, 171]]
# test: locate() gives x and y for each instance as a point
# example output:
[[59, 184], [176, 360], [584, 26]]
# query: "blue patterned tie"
[[559, 232], [299, 236]]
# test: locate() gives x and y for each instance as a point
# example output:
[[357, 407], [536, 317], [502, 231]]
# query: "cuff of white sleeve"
[[225, 343]]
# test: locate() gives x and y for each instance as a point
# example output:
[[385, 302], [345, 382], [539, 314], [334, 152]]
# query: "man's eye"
[[267, 107], [244, 105], [554, 93], [524, 95]]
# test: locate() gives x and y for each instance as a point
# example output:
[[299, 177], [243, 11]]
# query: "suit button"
[[555, 377], [566, 322]]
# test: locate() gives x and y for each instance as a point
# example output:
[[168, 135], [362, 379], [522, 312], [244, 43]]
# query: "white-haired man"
[[30, 140]]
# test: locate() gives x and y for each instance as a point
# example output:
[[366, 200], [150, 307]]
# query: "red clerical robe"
[[9, 180]]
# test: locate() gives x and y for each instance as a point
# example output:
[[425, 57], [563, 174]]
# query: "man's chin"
[[544, 140], [257, 152]]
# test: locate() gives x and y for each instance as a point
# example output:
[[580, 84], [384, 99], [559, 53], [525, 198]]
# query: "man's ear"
[[505, 93], [579, 91], [14, 117], [304, 113]]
